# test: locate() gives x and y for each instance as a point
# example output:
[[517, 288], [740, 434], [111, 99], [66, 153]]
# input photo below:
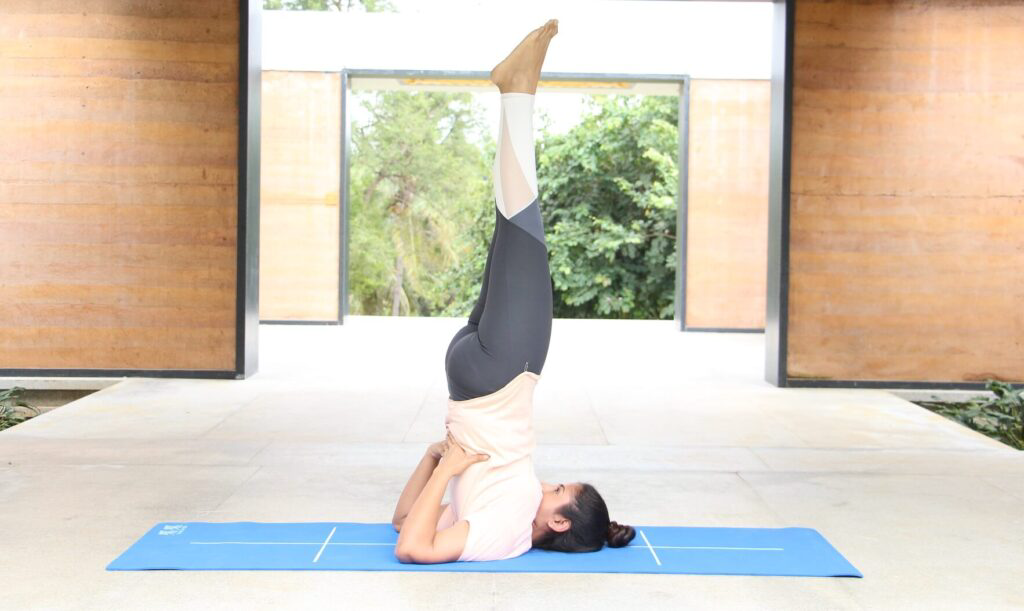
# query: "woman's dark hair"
[[590, 529]]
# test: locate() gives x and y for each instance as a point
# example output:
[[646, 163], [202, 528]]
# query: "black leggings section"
[[509, 329]]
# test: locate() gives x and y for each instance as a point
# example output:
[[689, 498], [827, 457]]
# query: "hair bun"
[[619, 535]]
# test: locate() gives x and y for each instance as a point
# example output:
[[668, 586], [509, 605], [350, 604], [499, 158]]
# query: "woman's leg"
[[478, 308], [510, 327]]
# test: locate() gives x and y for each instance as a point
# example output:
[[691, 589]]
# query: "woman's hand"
[[436, 449], [455, 460]]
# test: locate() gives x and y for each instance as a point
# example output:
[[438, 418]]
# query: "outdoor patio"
[[673, 428]]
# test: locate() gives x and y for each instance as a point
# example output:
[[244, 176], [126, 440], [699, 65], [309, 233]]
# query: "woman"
[[499, 509]]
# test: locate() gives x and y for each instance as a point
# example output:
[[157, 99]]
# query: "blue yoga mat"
[[370, 547]]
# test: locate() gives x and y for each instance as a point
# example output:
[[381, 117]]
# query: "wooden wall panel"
[[907, 193], [727, 204], [118, 182], [300, 173]]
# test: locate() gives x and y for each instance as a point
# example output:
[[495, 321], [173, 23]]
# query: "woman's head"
[[574, 518]]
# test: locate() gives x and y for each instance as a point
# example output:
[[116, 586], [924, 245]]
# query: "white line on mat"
[[650, 548], [280, 543], [324, 546], [647, 546], [713, 547]]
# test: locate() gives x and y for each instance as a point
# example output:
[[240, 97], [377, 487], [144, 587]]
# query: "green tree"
[[464, 276], [608, 196], [419, 183]]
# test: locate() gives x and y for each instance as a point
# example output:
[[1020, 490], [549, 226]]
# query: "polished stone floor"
[[673, 428]]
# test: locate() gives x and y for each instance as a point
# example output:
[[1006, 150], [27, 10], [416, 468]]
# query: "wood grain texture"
[[727, 204], [118, 184], [907, 193], [299, 184]]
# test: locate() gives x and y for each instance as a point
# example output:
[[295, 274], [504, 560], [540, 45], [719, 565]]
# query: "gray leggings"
[[509, 328]]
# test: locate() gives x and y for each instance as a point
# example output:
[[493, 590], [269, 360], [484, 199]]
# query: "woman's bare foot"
[[520, 71]]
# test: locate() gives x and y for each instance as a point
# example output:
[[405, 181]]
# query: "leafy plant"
[[370, 6], [10, 401], [419, 199], [608, 190], [1000, 417]]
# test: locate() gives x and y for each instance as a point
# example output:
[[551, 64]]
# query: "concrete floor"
[[673, 428]]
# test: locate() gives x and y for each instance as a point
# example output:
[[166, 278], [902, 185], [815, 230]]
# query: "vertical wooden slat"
[[907, 193], [118, 184], [727, 204], [300, 167]]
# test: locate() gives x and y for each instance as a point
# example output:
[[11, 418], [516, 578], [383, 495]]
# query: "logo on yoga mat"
[[172, 529]]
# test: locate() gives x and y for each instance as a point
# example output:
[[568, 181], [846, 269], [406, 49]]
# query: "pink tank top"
[[498, 497]]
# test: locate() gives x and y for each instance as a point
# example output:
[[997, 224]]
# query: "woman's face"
[[556, 496]]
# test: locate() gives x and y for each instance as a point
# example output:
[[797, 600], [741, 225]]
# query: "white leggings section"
[[515, 165]]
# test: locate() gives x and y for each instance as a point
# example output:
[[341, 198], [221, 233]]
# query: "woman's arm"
[[419, 540], [416, 482]]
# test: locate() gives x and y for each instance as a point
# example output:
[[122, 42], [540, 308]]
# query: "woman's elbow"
[[415, 553], [405, 555]]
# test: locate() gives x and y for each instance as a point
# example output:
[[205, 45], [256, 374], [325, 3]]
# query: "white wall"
[[730, 40]]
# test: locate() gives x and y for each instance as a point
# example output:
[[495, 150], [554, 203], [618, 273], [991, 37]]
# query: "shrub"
[[1000, 417], [10, 402]]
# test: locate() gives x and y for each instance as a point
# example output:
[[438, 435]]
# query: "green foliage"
[[10, 401], [419, 180], [464, 278], [423, 209], [1000, 417], [370, 6], [608, 195]]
